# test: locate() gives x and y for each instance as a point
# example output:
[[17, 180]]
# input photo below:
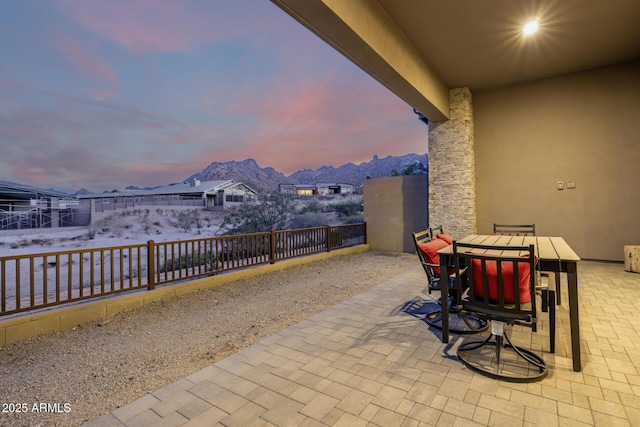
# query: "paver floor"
[[373, 361]]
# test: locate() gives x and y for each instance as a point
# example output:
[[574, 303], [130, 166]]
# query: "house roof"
[[171, 189], [237, 184], [22, 191], [420, 49], [194, 187]]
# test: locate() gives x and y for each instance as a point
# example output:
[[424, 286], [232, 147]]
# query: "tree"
[[270, 212], [414, 168]]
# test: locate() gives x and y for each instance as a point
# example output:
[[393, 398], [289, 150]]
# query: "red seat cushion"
[[524, 274], [446, 237], [430, 252]]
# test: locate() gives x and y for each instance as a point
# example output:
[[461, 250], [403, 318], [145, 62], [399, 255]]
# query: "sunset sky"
[[102, 94]]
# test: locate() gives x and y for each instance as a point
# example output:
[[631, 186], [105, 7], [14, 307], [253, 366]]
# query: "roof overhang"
[[420, 49], [363, 32]]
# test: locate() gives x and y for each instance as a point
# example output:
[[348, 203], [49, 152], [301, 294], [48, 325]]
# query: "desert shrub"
[[346, 209], [311, 206], [336, 237], [353, 219], [188, 261], [307, 220], [196, 218], [186, 220]]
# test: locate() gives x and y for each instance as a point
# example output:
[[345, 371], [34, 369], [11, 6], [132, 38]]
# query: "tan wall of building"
[[394, 208], [582, 128]]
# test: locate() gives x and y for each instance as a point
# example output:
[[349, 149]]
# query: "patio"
[[372, 360]]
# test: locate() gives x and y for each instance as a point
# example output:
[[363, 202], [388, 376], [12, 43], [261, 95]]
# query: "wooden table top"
[[547, 248]]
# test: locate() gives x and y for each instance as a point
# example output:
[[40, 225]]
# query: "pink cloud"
[[318, 122], [86, 60], [101, 94], [157, 25]]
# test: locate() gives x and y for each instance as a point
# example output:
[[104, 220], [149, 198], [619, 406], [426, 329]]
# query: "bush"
[[187, 219], [307, 220], [189, 261], [312, 206], [336, 237], [347, 209], [353, 219]]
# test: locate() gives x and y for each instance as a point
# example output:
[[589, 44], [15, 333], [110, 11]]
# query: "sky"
[[101, 94]]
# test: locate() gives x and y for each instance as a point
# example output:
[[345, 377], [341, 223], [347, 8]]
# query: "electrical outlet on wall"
[[560, 185]]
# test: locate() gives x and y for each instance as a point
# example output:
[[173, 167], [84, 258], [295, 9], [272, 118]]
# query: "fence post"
[[272, 247], [328, 238], [364, 230], [151, 265]]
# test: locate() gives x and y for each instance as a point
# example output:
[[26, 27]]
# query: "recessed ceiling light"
[[530, 28]]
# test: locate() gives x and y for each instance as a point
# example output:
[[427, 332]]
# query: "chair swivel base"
[[518, 365], [457, 324]]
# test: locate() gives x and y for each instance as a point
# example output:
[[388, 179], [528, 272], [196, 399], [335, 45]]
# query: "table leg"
[[444, 297], [572, 280]]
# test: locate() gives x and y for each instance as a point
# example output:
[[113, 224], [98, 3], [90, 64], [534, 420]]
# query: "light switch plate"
[[571, 185]]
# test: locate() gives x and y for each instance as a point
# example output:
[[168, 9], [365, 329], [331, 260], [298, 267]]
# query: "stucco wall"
[[394, 208], [582, 128]]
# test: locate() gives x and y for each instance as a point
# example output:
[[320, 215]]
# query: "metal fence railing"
[[33, 281]]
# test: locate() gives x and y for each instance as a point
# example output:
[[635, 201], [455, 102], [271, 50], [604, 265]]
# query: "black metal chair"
[[434, 231], [497, 284], [439, 233], [527, 230], [426, 248], [515, 229]]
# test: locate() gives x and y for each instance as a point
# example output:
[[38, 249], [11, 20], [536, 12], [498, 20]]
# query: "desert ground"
[[123, 227], [133, 225], [101, 365]]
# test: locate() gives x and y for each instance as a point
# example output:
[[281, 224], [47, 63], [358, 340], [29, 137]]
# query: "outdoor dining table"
[[554, 255]]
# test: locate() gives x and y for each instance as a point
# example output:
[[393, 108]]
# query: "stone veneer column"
[[452, 168]]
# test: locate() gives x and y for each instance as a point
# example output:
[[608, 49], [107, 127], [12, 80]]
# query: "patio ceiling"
[[420, 49]]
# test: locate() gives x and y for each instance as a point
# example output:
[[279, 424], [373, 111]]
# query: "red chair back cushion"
[[430, 252], [446, 237], [524, 275]]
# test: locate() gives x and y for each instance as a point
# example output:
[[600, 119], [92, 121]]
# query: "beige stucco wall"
[[394, 208], [582, 128]]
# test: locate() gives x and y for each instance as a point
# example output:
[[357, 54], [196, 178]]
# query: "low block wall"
[[394, 208], [20, 327]]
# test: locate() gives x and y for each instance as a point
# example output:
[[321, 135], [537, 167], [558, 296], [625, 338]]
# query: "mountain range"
[[249, 172]]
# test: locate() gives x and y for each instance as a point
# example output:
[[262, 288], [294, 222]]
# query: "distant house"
[[28, 207], [321, 189], [212, 195]]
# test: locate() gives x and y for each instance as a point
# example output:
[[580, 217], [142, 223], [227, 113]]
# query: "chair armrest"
[[427, 264]]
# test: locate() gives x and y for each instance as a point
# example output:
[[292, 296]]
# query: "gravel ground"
[[99, 366]]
